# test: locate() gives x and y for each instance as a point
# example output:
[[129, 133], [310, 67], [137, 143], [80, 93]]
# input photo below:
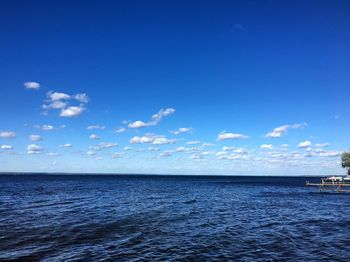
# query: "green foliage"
[[345, 161]]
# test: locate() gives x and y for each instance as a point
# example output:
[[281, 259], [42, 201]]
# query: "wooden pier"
[[334, 184]]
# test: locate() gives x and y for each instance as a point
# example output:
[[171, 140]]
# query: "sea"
[[47, 217]]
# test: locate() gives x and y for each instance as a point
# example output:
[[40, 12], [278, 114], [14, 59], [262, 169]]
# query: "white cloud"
[[53, 154], [281, 130], [6, 147], [322, 145], [47, 127], [104, 145], [35, 138], [152, 148], [34, 149], [55, 96], [228, 148], [72, 111], [82, 98], [152, 139], [61, 101], [165, 154], [32, 85], [138, 124], [180, 149], [266, 146], [194, 142], [226, 135], [330, 154], [7, 134], [162, 113], [156, 118], [91, 153], [94, 137], [118, 154], [181, 130], [66, 145], [304, 144], [119, 130], [55, 105], [127, 148], [95, 127]]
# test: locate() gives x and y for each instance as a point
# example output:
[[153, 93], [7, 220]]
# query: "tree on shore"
[[345, 161]]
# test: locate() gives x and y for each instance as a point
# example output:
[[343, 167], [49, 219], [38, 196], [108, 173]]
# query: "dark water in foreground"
[[95, 218]]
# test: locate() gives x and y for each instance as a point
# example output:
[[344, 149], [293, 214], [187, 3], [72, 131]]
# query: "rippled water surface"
[[135, 218]]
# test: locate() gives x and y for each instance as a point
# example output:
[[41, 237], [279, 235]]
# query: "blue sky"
[[175, 87]]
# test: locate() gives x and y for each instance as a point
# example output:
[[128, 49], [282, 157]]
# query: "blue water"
[[135, 218]]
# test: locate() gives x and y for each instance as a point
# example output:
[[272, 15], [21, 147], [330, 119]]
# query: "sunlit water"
[[92, 218]]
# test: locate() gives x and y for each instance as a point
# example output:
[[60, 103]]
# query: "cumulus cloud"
[[7, 134], [266, 146], [94, 137], [6, 147], [82, 98], [152, 148], [95, 127], [35, 138], [226, 135], [156, 118], [282, 130], [304, 144], [118, 154], [152, 139], [181, 130], [72, 111], [61, 101], [34, 149], [32, 85], [138, 124]]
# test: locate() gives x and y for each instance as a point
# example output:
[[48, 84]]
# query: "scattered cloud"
[[194, 142], [34, 149], [61, 101], [156, 118], [330, 154], [7, 134], [182, 130], [304, 144], [91, 153], [104, 145], [282, 130], [32, 85], [120, 130], [152, 148], [66, 145], [152, 139], [82, 98], [266, 146], [95, 127], [72, 111], [35, 138], [53, 154], [7, 147], [226, 135], [165, 154], [94, 137], [49, 127], [322, 145]]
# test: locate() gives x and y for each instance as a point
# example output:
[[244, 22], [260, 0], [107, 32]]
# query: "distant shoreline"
[[143, 175]]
